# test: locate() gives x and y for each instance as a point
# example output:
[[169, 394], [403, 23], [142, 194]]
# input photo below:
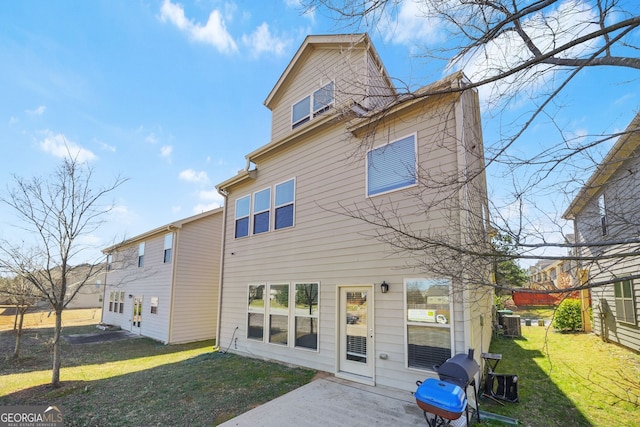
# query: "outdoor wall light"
[[130, 296], [384, 287]]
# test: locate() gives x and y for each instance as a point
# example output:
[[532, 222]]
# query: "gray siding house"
[[606, 217], [163, 284], [305, 283]]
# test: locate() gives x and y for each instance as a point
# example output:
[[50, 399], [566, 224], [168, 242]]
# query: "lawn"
[[568, 380], [139, 381], [564, 379]]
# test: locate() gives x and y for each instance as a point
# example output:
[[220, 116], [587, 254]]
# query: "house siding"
[[623, 216], [197, 276], [618, 180], [151, 280], [322, 67], [329, 247]]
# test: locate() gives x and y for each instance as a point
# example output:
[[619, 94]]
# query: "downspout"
[[174, 250], [225, 195]]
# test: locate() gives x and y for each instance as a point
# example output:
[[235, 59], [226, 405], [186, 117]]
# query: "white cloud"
[[151, 139], [309, 12], [209, 195], [214, 32], [191, 175], [411, 25], [104, 146], [262, 41], [59, 146], [38, 111], [166, 151], [13, 120]]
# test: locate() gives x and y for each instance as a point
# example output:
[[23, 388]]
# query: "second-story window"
[[284, 203], [312, 105], [603, 214], [243, 205], [168, 245], [261, 209], [141, 255]]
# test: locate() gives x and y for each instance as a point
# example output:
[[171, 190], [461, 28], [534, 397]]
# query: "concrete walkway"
[[335, 402], [96, 337]]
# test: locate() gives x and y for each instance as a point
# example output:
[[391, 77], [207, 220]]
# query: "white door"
[[136, 316], [356, 331]]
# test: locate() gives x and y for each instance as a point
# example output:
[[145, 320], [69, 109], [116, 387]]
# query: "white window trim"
[[313, 113], [451, 323], [253, 212], [634, 322], [170, 248], [293, 202], [366, 178], [292, 304], [267, 314], [291, 315], [236, 217], [263, 312]]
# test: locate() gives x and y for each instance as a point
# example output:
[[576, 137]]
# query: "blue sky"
[[170, 94]]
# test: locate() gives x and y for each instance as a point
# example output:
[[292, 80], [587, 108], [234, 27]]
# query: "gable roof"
[[615, 158], [334, 41], [163, 229]]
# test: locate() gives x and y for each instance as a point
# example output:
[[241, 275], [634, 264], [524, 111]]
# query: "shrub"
[[568, 316]]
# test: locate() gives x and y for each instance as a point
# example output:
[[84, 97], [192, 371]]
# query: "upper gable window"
[[312, 105], [392, 166]]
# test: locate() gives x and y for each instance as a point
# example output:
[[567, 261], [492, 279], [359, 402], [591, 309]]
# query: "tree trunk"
[[57, 344], [20, 320]]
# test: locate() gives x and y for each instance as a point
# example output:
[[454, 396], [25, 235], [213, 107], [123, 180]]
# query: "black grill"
[[461, 370]]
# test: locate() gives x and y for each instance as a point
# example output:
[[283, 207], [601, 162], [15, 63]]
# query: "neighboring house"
[[163, 284], [91, 292], [606, 218], [303, 281]]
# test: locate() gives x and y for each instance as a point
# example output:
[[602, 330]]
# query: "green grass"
[[568, 380], [140, 381]]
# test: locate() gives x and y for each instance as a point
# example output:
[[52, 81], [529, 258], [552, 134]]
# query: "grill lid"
[[459, 370]]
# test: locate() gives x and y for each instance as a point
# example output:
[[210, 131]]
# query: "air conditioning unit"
[[511, 325]]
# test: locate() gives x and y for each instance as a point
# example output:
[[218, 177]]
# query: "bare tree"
[[22, 295], [514, 53], [57, 213]]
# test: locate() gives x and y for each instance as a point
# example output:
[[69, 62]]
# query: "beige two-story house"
[[163, 284], [307, 280]]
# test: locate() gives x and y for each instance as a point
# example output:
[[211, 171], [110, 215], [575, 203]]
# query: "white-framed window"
[[284, 204], [306, 309], [141, 255], [109, 261], [255, 312], [312, 105], [278, 313], [428, 315], [392, 166], [154, 305], [261, 210], [121, 310], [243, 208], [602, 210], [112, 298], [168, 246], [625, 301]]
